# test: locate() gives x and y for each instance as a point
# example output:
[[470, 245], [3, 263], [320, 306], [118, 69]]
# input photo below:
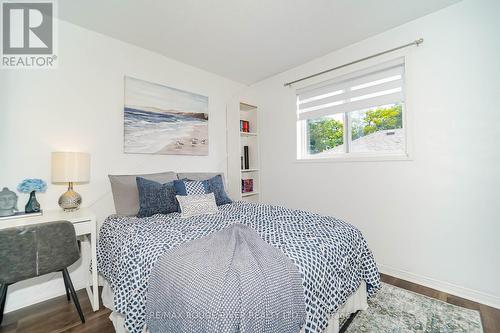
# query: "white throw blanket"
[[228, 282]]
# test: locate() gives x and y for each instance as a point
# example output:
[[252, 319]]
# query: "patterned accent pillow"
[[191, 187], [197, 204], [216, 185], [155, 198]]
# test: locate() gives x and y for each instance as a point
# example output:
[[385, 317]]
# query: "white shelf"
[[247, 107], [249, 194], [248, 134], [249, 170]]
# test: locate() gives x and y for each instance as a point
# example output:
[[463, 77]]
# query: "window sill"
[[356, 158]]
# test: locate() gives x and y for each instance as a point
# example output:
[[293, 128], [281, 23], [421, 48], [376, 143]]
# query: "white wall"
[[79, 107], [434, 219]]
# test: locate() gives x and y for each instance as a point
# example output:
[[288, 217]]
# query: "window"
[[359, 115]]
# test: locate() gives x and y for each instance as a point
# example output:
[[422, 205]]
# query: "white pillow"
[[198, 204]]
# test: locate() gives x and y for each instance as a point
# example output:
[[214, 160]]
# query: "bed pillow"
[[191, 187], [216, 185], [155, 198], [197, 204], [125, 192]]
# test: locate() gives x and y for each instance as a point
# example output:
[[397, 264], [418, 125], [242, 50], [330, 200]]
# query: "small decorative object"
[[244, 126], [8, 202], [246, 185], [32, 186], [70, 167]]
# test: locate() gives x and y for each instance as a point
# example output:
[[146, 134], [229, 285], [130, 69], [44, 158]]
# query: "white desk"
[[85, 224]]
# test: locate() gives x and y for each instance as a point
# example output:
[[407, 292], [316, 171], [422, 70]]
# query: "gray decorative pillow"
[[155, 198], [197, 204]]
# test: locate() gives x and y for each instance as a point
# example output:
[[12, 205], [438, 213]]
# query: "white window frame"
[[303, 157]]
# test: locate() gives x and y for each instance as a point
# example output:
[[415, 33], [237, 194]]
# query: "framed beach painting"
[[164, 120]]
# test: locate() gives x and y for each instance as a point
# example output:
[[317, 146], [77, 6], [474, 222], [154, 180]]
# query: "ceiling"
[[244, 40]]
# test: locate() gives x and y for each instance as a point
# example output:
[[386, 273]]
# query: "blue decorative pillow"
[[191, 187], [216, 185], [156, 198]]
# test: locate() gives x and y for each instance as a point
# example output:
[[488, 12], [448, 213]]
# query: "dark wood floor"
[[57, 315]]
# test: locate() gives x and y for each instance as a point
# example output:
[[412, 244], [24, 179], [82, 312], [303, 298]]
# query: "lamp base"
[[70, 200]]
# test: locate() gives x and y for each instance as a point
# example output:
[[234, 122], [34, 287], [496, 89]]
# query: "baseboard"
[[452, 289]]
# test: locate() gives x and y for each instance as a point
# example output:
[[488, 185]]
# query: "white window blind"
[[382, 85]]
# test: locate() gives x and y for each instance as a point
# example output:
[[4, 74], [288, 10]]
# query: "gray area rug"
[[396, 310]]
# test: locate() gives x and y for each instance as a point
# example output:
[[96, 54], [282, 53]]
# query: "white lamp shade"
[[70, 167]]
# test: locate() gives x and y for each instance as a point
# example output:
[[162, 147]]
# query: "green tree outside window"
[[327, 133]]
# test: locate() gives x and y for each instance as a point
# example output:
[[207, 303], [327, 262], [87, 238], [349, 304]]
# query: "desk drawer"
[[82, 228]]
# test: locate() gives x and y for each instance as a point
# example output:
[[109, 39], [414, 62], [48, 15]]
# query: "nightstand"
[[85, 224]]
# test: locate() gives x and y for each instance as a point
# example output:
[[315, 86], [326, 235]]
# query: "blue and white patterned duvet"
[[331, 255]]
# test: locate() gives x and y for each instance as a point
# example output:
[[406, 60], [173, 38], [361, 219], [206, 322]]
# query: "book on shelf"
[[244, 126], [246, 185], [246, 158]]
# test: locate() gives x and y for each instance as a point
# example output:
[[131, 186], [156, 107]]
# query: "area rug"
[[396, 310]]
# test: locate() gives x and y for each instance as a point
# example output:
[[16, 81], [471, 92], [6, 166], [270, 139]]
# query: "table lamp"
[[70, 167]]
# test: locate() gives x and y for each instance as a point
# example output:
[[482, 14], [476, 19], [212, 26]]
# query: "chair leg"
[[66, 287], [73, 294], [3, 297]]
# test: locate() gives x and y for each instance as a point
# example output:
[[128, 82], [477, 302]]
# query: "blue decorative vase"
[[32, 206]]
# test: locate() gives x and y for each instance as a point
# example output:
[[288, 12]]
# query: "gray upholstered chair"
[[35, 250]]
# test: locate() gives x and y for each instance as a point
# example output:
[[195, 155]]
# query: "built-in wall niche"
[[249, 153]]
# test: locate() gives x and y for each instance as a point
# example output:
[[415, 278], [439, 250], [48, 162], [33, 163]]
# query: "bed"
[[337, 267]]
